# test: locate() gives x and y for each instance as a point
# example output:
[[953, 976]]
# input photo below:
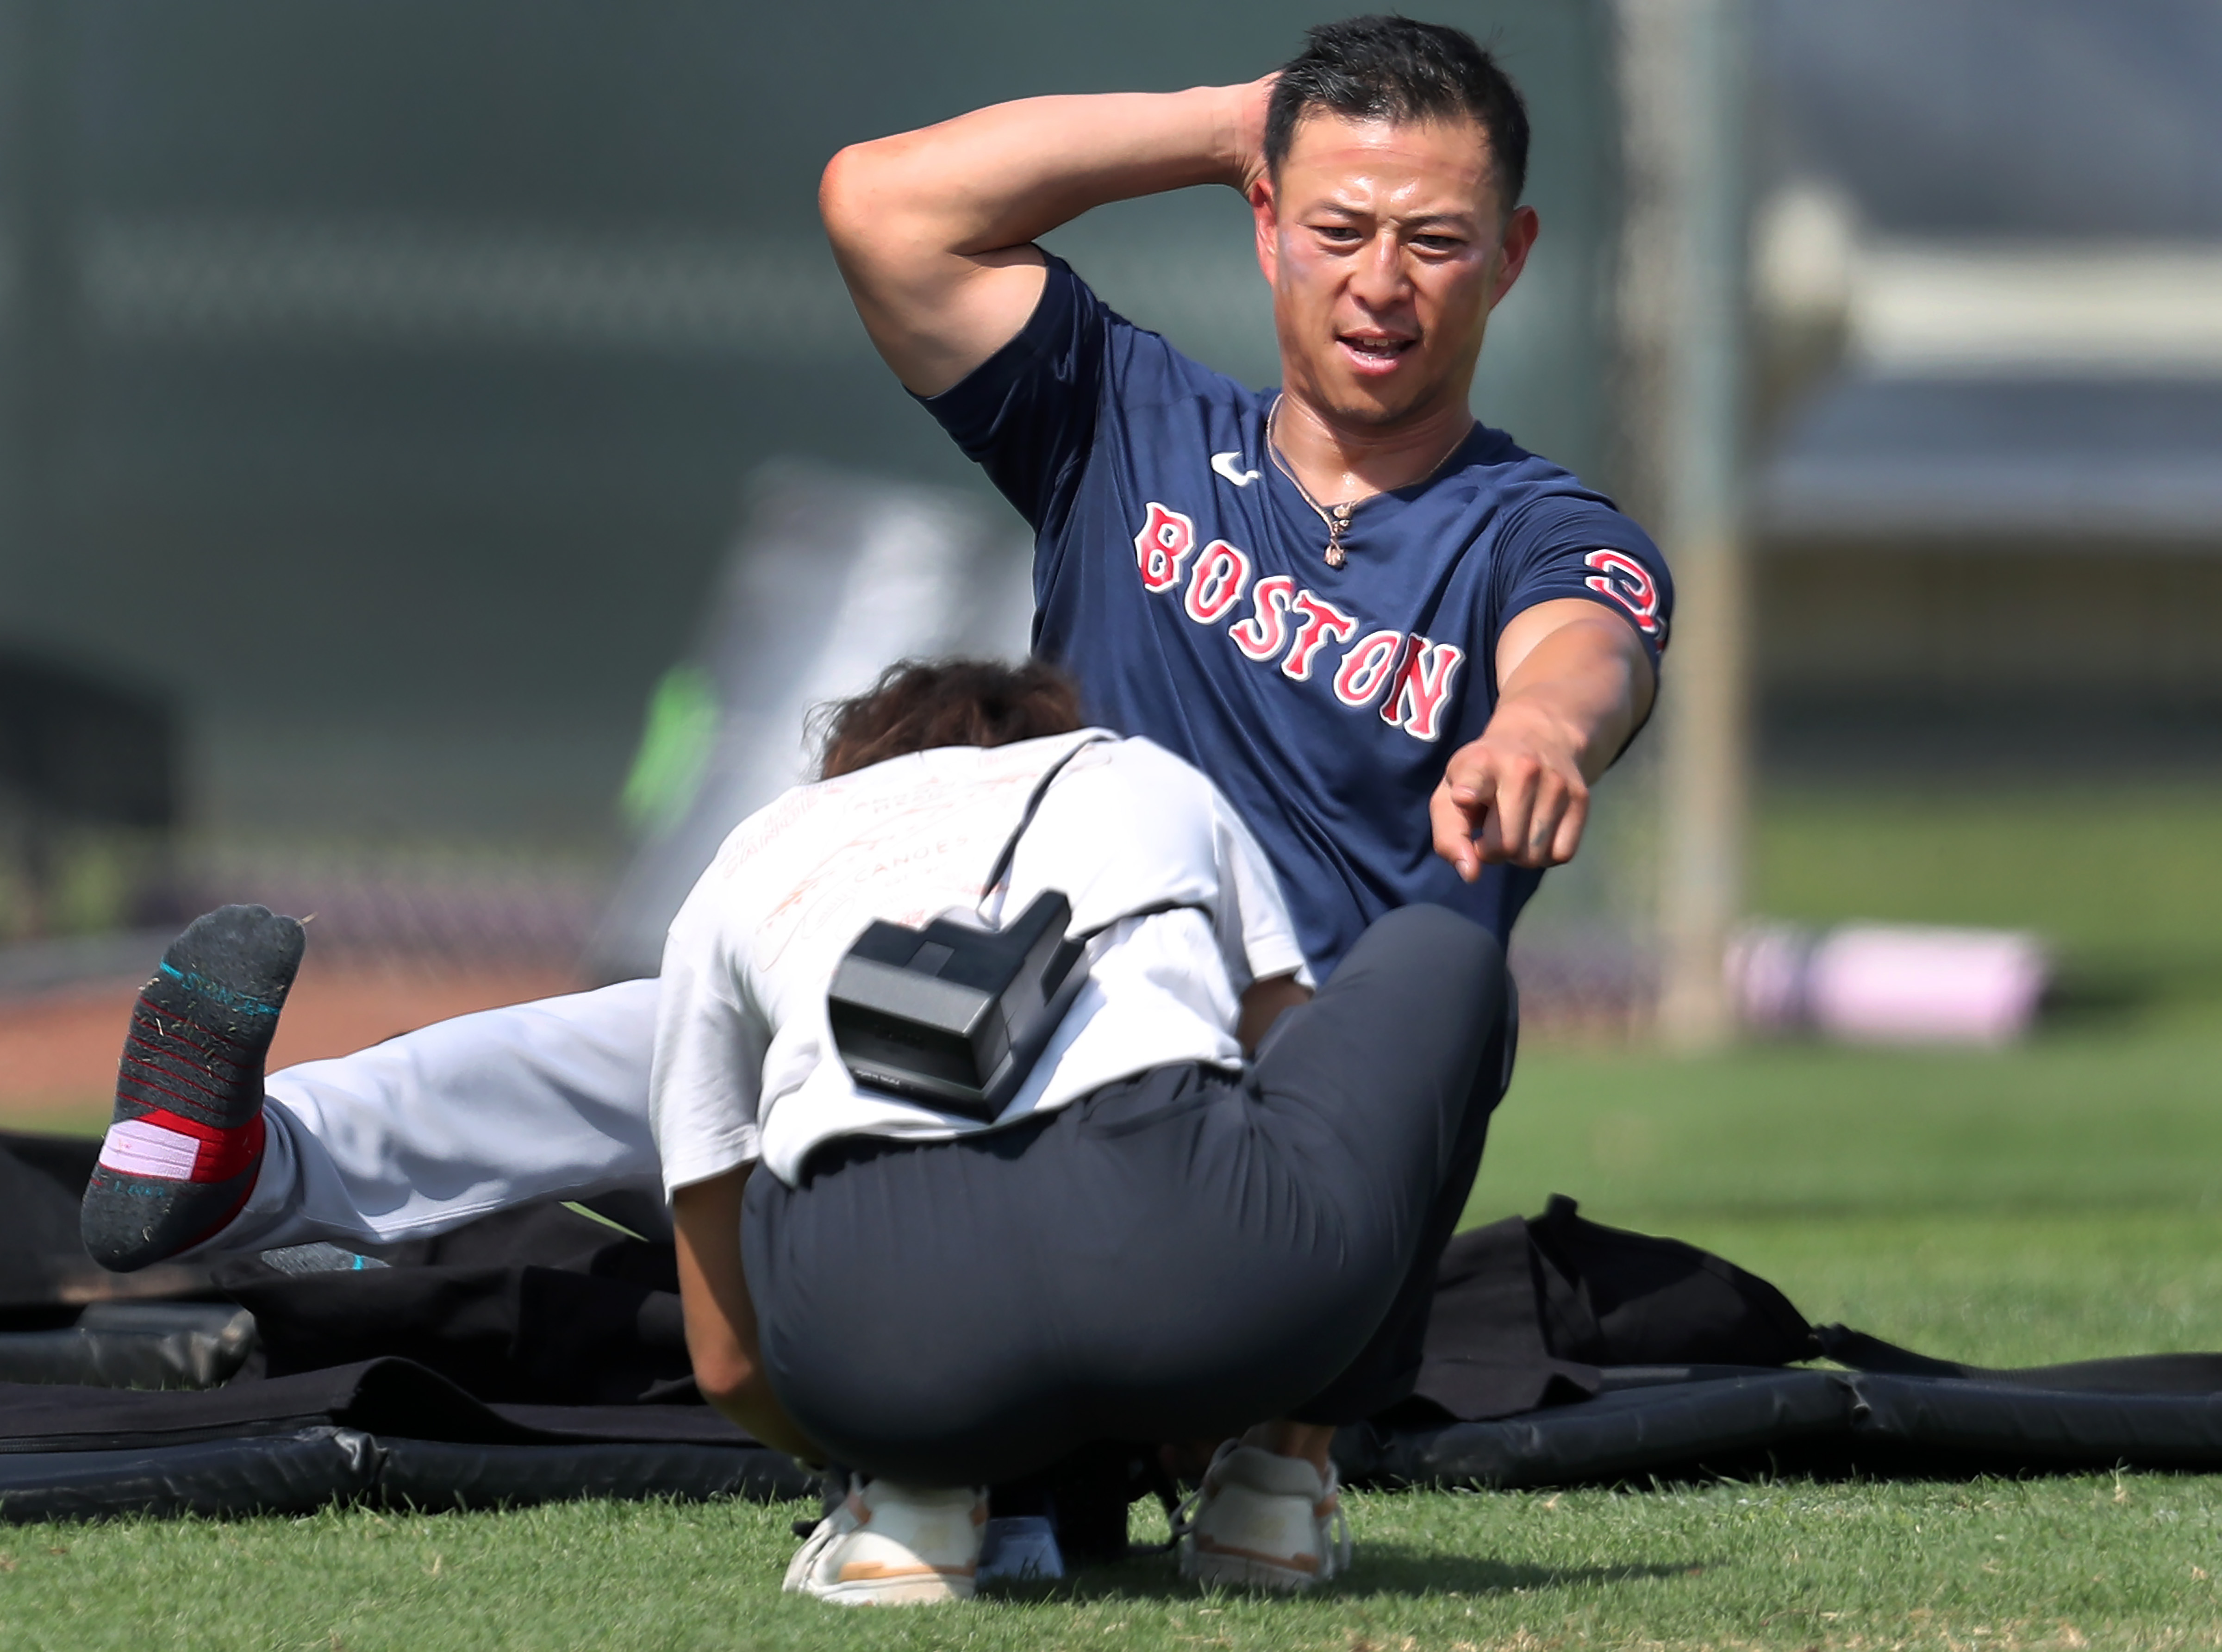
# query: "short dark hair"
[[917, 705], [1393, 68]]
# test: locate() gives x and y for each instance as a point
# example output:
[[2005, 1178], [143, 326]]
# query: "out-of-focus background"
[[437, 460]]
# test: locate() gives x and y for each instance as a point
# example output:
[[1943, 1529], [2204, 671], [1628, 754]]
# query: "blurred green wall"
[[382, 376]]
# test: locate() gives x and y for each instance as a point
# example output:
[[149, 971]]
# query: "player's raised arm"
[[933, 228]]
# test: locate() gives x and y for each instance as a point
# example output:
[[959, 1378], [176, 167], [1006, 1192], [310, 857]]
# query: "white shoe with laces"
[[891, 1545], [1263, 1521]]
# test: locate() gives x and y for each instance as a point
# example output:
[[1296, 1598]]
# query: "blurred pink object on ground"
[[1892, 983]]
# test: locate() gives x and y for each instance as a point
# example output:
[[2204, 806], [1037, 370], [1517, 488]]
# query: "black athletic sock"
[[185, 1143]]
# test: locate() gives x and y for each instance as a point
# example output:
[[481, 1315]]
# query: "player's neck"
[[1336, 461]]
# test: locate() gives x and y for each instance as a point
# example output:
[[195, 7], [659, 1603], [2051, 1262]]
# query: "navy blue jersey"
[[1181, 577]]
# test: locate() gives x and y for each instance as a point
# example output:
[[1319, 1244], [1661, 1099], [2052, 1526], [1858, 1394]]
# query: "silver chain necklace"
[[1337, 516]]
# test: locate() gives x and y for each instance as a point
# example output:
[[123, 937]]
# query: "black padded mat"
[[307, 1469], [395, 1396], [385, 1431], [1824, 1422], [546, 1360]]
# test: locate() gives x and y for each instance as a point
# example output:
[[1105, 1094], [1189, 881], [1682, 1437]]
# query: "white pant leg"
[[482, 1113]]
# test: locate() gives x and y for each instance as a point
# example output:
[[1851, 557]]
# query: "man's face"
[[1386, 248]]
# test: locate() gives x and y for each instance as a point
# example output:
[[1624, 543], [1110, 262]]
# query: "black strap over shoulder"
[[1002, 869]]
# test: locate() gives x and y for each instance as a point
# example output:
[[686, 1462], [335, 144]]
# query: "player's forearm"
[[1000, 176], [1585, 686], [1574, 684]]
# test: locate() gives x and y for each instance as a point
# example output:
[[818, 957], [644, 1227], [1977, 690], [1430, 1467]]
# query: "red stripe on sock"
[[159, 1090], [166, 1026], [223, 1153], [134, 1051]]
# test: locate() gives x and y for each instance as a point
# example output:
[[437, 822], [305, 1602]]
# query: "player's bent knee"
[[1450, 943]]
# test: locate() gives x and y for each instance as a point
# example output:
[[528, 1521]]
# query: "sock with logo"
[[185, 1145]]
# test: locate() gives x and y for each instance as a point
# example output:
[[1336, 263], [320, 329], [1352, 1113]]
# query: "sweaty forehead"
[[1446, 161]]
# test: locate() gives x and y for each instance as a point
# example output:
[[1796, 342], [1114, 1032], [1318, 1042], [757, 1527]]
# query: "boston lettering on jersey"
[[1292, 625], [1179, 576]]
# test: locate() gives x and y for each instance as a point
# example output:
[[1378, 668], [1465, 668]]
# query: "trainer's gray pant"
[[1172, 1257], [426, 1132]]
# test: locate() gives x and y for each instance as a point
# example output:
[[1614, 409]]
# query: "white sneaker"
[[890, 1545], [1263, 1521]]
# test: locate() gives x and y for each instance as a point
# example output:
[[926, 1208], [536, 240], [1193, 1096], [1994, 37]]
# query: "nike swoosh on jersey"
[[1224, 463]]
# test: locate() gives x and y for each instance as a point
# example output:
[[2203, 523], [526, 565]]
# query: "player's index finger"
[[1471, 774]]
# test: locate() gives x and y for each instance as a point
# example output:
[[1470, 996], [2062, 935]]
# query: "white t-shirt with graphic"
[[745, 1064]]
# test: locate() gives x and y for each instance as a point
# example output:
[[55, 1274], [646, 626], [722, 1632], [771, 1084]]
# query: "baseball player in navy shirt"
[[1401, 646]]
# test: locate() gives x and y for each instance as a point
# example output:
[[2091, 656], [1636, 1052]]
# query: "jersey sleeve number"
[[1627, 583]]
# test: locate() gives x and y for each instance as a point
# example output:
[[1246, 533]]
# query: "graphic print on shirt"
[[891, 841], [1300, 631]]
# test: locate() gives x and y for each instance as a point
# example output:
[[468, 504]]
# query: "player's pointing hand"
[[1516, 795], [1574, 683]]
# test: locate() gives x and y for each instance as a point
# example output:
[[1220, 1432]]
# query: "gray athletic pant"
[[1175, 1257], [439, 1126]]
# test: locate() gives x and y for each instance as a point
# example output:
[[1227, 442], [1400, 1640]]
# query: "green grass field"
[[2060, 1200]]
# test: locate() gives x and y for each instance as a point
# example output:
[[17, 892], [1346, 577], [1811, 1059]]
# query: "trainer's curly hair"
[[917, 705]]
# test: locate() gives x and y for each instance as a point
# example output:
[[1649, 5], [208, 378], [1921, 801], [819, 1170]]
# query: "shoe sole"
[[1243, 1572], [894, 1591]]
